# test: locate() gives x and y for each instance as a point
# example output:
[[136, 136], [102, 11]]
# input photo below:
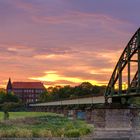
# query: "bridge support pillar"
[[88, 115], [65, 112], [74, 114]]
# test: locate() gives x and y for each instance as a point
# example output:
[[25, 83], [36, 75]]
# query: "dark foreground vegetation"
[[41, 125]]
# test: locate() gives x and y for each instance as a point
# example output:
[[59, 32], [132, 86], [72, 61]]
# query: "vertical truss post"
[[112, 86], [128, 70], [120, 78], [138, 41]]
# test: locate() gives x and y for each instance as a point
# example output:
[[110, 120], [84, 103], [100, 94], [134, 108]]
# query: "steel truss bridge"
[[129, 56]]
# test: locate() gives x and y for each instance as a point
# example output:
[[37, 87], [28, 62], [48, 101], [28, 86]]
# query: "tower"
[[9, 86]]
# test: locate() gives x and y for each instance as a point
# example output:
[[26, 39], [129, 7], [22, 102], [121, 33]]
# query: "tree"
[[2, 95], [8, 101], [43, 96], [84, 89], [8, 106], [68, 92]]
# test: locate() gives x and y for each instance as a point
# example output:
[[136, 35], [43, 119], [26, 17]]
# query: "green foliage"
[[18, 133], [43, 133], [2, 96], [85, 130], [20, 115], [69, 126], [8, 101], [23, 133], [8, 97], [72, 133], [66, 92], [42, 125], [8, 106], [135, 101], [7, 134], [43, 96]]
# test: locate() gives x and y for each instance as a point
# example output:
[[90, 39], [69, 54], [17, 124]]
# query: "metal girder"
[[134, 82], [133, 47]]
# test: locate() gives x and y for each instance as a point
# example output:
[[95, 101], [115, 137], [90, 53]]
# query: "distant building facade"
[[27, 92]]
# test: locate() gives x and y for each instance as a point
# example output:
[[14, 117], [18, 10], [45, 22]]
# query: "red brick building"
[[28, 92]]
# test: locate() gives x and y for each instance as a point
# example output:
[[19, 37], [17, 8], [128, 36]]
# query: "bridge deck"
[[88, 100]]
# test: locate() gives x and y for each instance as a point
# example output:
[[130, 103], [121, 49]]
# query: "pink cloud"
[[74, 44]]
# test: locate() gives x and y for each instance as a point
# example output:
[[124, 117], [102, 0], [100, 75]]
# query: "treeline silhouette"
[[85, 89]]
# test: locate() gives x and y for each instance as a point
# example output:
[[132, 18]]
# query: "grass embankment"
[[37, 124], [18, 115]]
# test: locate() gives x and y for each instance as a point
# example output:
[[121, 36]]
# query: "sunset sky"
[[62, 42]]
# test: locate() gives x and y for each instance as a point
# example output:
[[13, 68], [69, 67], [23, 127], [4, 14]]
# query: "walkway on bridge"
[[88, 100]]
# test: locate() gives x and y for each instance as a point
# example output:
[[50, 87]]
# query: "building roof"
[[28, 85]]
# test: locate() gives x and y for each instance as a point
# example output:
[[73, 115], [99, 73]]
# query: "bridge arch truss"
[[125, 60]]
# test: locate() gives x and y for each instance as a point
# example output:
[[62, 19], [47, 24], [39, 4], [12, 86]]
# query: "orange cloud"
[[54, 76], [71, 46]]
